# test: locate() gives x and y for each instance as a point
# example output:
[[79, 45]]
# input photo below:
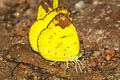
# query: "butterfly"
[[53, 35]]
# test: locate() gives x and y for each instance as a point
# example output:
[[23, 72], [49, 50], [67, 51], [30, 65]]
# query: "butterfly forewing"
[[59, 41], [44, 8]]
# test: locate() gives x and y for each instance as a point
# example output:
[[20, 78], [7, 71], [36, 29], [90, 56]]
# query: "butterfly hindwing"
[[59, 41]]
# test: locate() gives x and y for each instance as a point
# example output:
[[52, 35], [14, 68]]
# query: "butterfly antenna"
[[55, 4]]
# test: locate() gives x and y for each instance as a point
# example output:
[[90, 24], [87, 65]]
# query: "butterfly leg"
[[79, 65], [80, 62], [67, 65], [75, 66]]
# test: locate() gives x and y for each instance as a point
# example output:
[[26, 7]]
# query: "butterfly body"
[[53, 35]]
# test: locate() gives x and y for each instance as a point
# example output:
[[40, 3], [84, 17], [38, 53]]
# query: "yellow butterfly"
[[53, 35]]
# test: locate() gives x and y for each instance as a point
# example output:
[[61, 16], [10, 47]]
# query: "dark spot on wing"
[[63, 36], [59, 44], [48, 51], [64, 54], [65, 50], [68, 47], [74, 43], [51, 37], [55, 53]]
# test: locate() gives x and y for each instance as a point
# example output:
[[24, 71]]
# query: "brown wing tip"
[[63, 21], [46, 5]]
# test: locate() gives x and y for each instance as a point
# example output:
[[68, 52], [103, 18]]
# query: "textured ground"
[[98, 26]]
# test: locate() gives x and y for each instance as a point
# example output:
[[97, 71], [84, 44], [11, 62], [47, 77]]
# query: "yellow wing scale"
[[53, 35]]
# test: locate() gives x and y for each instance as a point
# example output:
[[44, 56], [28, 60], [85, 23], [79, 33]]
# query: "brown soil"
[[98, 27]]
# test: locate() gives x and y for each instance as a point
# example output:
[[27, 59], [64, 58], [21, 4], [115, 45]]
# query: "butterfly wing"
[[44, 8], [40, 25], [59, 40]]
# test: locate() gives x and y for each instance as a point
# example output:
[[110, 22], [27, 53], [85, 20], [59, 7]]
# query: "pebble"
[[96, 53], [109, 54], [35, 77], [1, 58], [108, 57], [8, 56], [24, 79], [79, 5]]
